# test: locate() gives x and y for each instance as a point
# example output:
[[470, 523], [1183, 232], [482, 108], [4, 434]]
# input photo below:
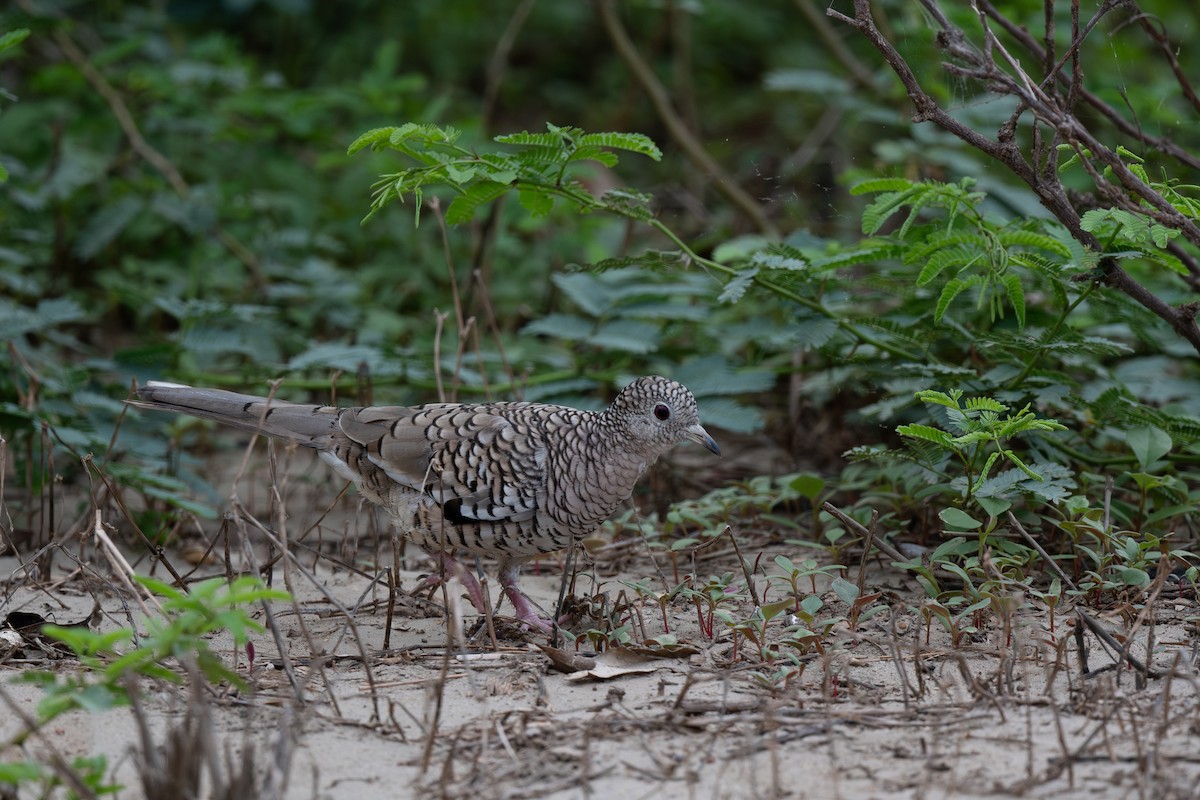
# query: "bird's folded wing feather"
[[464, 459]]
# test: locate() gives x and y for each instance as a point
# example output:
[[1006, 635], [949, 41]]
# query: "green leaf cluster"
[[179, 636], [537, 171], [977, 432]]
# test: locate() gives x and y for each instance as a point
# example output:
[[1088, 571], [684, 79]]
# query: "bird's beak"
[[700, 436]]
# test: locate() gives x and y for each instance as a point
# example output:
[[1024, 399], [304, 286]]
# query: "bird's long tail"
[[308, 425]]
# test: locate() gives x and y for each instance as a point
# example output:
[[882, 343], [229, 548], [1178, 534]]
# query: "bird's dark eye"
[[662, 412]]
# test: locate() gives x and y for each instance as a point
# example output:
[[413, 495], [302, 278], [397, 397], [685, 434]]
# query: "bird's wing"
[[481, 465]]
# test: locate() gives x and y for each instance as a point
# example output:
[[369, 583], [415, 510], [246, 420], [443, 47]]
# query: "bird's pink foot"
[[525, 609], [448, 565]]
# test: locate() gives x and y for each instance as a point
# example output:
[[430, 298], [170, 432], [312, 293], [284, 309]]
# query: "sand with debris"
[[892, 707]]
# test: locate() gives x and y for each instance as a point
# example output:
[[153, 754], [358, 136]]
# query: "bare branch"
[[1159, 143], [968, 61], [1159, 37], [675, 125]]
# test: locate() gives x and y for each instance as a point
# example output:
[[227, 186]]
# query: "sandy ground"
[[880, 714]]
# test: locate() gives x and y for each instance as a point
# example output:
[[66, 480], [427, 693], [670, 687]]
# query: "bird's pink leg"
[[448, 565], [525, 609]]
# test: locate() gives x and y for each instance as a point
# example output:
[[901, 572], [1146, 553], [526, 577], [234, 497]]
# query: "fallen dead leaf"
[[615, 662]]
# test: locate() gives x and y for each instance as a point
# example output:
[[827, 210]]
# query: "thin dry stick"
[[1123, 654], [321, 587], [1061, 734], [439, 320], [463, 324], [568, 577], [687, 141], [860, 73], [117, 498], [1032, 542], [431, 734], [1156, 588], [272, 625], [1108, 491], [59, 763], [5, 540], [968, 62], [497, 339], [882, 545], [1046, 56], [868, 542], [498, 63], [745, 569], [391, 603], [122, 569], [141, 147]]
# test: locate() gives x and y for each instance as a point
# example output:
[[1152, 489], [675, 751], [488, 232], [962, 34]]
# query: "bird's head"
[[658, 413]]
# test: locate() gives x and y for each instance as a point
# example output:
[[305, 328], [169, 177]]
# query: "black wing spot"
[[452, 512]]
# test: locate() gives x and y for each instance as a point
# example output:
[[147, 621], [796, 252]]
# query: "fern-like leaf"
[[877, 213], [868, 252], [927, 433], [961, 257], [374, 138], [951, 290], [634, 205], [592, 153], [631, 142], [985, 404], [551, 140], [462, 208], [1016, 296], [941, 239], [1020, 237], [881, 185]]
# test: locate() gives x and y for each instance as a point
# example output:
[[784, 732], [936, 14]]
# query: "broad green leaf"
[[1132, 576], [808, 485], [959, 520], [740, 248], [1148, 443], [813, 81], [13, 38], [772, 610], [846, 591], [627, 336], [994, 506]]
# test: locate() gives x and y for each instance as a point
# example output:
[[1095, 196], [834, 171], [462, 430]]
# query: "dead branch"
[[1050, 114]]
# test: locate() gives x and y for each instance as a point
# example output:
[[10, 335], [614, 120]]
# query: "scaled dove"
[[506, 480]]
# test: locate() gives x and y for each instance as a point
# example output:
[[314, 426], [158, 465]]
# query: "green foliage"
[[978, 255], [180, 636], [8, 41], [978, 435], [45, 782], [573, 268], [537, 172]]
